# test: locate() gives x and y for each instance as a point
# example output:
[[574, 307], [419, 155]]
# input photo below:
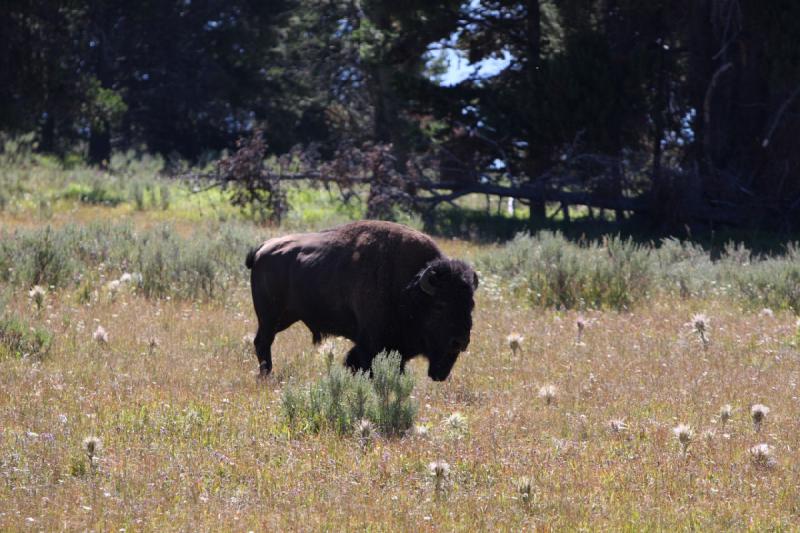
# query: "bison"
[[382, 285]]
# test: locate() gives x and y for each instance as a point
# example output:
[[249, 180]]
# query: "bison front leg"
[[359, 358]]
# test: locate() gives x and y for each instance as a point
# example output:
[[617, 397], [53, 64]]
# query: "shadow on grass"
[[478, 225]]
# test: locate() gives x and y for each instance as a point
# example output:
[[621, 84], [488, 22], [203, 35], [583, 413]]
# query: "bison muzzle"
[[382, 285]]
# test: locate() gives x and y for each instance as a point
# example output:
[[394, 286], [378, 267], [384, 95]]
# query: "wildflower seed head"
[[439, 469], [93, 446], [421, 430], [514, 341], [100, 335], [328, 350], [37, 295], [153, 344], [766, 313], [684, 434], [548, 393], [700, 323], [525, 488], [725, 413], [365, 431], [113, 286], [617, 425], [126, 278], [37, 291], [761, 455], [708, 434], [759, 412]]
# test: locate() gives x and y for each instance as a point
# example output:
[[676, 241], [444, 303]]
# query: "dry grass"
[[191, 440]]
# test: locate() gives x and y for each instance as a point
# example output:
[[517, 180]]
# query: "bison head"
[[442, 296]]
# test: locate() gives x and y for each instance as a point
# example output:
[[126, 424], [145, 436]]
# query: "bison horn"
[[425, 281]]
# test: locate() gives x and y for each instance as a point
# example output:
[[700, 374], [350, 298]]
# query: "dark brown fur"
[[364, 281]]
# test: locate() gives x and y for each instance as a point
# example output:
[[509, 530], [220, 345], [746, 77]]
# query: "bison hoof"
[[264, 370]]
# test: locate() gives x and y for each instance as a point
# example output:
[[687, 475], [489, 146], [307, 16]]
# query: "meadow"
[[609, 385]]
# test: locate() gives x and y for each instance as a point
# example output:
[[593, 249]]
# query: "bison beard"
[[382, 285]]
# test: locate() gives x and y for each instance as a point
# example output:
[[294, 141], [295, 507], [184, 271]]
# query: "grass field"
[[574, 430]]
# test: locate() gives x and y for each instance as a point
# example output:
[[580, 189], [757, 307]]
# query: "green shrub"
[[553, 272], [137, 191], [394, 409], [164, 197], [99, 191], [550, 271], [341, 399], [19, 339], [200, 266], [44, 258]]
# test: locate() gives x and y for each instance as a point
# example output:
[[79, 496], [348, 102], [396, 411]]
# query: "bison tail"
[[251, 258]]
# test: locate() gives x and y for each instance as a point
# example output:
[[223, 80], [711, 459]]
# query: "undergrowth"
[[341, 399], [548, 270]]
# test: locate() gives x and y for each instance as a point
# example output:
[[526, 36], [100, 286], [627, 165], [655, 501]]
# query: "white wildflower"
[[548, 393], [514, 341], [93, 446], [37, 291], [421, 430], [100, 335], [684, 434], [439, 470], [525, 488], [113, 286], [761, 455], [725, 413], [617, 425], [759, 413], [365, 432], [700, 324], [37, 294]]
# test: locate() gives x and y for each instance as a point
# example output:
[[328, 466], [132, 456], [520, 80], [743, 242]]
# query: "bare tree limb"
[[781, 110]]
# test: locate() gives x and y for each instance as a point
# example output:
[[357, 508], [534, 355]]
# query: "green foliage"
[[43, 258], [190, 268], [200, 266], [165, 197], [773, 282], [550, 271], [394, 411], [340, 399], [78, 466], [137, 191], [19, 339], [104, 107], [96, 193]]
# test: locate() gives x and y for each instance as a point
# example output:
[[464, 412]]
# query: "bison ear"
[[474, 281], [426, 281]]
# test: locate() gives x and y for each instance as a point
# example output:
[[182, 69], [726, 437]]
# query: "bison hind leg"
[[263, 344]]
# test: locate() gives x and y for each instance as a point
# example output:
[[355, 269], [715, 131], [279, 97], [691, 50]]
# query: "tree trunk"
[[47, 138], [100, 145], [534, 164]]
